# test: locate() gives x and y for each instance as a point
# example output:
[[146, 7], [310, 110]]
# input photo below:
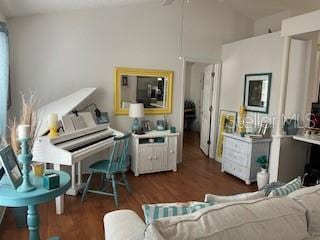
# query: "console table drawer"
[[239, 158], [237, 146]]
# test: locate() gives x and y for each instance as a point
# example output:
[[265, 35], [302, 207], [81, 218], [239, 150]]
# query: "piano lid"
[[62, 107]]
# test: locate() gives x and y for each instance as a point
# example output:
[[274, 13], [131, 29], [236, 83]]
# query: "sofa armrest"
[[123, 224]]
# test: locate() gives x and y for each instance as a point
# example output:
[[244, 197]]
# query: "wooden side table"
[[10, 197]]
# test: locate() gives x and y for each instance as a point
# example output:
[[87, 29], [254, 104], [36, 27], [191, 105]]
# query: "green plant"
[[263, 162]]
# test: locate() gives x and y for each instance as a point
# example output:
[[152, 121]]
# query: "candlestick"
[[23, 132], [25, 158], [53, 125]]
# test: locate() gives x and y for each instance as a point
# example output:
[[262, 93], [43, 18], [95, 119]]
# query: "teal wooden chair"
[[116, 165]]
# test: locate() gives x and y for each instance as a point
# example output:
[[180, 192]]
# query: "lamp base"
[[135, 126]]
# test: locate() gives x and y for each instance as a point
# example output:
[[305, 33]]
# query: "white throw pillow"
[[234, 198]]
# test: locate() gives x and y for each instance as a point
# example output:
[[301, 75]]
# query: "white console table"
[[240, 154], [154, 151]]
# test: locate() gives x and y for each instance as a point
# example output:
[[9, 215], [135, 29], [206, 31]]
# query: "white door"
[[206, 108]]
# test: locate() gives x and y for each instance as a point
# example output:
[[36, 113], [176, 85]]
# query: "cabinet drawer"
[[236, 170], [241, 158], [237, 145]]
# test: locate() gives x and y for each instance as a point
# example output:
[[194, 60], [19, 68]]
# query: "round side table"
[[10, 197]]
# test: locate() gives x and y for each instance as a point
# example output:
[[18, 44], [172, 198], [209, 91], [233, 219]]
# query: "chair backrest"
[[119, 155]]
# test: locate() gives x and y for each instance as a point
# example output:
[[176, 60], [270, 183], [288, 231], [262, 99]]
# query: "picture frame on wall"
[[10, 166], [227, 124], [257, 92]]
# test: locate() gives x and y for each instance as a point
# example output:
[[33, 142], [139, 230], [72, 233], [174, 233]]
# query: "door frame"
[[216, 96]]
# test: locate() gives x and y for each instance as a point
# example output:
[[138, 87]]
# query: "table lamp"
[[136, 110]]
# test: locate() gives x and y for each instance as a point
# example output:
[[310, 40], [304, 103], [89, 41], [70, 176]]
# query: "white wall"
[[2, 17], [273, 22], [263, 54], [56, 54], [194, 76]]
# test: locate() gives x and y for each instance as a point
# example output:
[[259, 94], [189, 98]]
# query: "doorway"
[[201, 101]]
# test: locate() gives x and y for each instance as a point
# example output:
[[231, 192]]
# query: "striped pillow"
[[156, 211], [287, 189]]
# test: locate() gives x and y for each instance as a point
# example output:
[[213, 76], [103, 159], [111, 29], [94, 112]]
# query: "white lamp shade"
[[136, 110]]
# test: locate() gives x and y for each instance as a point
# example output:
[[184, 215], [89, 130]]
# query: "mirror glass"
[[153, 88], [143, 89]]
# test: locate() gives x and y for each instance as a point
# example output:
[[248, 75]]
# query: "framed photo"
[[227, 123], [257, 92], [160, 125], [146, 126], [10, 165]]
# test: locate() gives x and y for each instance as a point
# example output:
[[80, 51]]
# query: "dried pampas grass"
[[28, 117]]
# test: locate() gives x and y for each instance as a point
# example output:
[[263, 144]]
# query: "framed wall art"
[[257, 92]]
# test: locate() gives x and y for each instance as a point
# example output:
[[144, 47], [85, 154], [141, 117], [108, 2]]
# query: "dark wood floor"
[[196, 176]]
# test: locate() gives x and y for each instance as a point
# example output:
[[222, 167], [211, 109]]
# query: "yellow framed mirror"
[[153, 88]]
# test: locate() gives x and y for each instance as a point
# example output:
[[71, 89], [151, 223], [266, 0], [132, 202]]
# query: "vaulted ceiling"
[[253, 9]]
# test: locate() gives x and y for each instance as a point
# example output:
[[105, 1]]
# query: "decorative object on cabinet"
[[117, 164], [159, 154], [265, 130], [146, 125], [257, 92], [227, 123], [240, 154], [262, 176], [161, 125], [152, 88], [173, 129], [10, 166], [291, 127], [242, 116], [136, 111]]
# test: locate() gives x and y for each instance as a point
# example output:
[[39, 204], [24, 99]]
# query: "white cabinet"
[[240, 154], [154, 151]]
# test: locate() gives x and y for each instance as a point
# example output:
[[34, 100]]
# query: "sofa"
[[294, 217]]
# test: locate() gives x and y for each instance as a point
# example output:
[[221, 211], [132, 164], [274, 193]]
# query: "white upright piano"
[[73, 146]]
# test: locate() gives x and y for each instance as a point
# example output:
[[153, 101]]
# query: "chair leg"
[[86, 187], [115, 192], [125, 180]]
